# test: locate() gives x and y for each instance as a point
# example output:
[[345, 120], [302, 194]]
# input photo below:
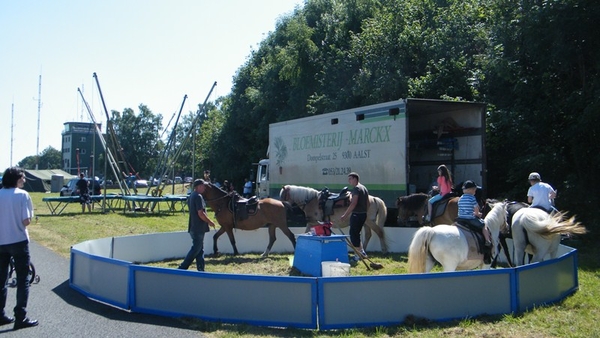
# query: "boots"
[[487, 253]]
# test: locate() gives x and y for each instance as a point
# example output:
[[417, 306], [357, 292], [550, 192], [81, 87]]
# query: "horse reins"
[[218, 198]]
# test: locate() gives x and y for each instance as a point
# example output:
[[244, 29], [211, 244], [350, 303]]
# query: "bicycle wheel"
[[10, 281], [31, 276]]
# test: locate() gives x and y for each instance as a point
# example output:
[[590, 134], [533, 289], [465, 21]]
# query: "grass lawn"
[[576, 316]]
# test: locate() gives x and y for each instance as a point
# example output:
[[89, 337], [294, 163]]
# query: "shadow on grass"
[[412, 324], [139, 214]]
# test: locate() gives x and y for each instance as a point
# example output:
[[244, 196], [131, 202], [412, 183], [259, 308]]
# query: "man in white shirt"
[[16, 209]]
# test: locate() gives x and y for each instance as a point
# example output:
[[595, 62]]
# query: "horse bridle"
[[218, 198], [285, 193]]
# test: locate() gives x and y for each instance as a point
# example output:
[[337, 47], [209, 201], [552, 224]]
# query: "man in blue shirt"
[[247, 188]]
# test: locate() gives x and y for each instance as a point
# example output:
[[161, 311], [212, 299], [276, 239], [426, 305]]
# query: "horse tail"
[[555, 224], [418, 250], [381, 219], [381, 211]]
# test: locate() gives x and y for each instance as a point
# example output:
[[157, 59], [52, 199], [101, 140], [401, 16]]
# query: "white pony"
[[448, 245], [542, 231], [307, 199]]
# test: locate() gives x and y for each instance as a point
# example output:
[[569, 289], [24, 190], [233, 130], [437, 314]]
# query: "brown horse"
[[307, 199], [269, 212], [416, 204]]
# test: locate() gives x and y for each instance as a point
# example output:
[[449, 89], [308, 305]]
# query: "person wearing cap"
[[357, 210], [197, 226], [469, 213], [540, 195]]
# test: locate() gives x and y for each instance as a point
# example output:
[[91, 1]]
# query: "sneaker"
[[363, 253], [356, 258]]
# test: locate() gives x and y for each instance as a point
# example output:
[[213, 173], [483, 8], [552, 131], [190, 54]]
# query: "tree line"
[[534, 62]]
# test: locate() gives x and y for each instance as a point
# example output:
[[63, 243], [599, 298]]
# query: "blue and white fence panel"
[[108, 270]]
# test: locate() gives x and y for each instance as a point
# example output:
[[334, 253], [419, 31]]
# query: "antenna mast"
[[37, 149], [81, 115], [12, 119]]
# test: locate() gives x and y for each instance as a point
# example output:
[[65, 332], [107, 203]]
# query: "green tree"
[[541, 74], [195, 149], [534, 62], [139, 138], [50, 158]]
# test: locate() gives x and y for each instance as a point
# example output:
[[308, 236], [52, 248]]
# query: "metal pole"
[[105, 174], [37, 148]]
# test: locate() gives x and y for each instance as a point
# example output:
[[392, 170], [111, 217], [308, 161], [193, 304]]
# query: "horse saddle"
[[511, 209], [475, 237], [438, 208], [328, 200], [549, 212], [242, 207]]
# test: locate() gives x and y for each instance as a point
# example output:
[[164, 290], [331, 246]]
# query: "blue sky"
[[150, 52]]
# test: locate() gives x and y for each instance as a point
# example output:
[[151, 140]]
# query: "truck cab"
[[262, 179]]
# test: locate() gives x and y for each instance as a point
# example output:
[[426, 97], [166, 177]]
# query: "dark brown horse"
[[269, 212], [416, 204]]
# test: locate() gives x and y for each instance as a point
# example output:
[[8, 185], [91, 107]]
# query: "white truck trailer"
[[395, 147]]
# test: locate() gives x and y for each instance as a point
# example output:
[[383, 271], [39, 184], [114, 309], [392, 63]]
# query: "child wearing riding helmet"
[[469, 213], [540, 195], [444, 186]]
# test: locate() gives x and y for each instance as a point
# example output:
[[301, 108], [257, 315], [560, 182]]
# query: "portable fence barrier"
[[109, 270]]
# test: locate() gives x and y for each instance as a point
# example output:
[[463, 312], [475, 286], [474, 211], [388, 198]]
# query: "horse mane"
[[217, 189], [298, 193], [498, 210]]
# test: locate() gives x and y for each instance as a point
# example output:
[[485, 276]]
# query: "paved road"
[[63, 312]]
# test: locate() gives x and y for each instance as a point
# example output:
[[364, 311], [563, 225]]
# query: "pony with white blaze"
[[307, 199], [449, 245], [542, 231]]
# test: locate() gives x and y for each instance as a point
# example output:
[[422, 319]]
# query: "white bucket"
[[335, 269]]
